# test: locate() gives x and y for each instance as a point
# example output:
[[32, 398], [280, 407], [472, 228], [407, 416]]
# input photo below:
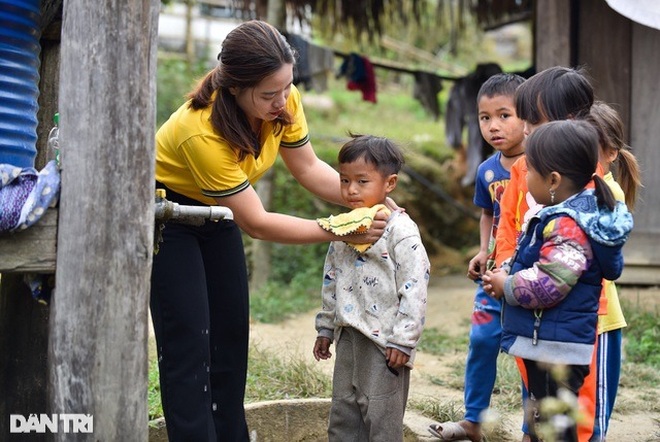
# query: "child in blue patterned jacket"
[[552, 292], [374, 303]]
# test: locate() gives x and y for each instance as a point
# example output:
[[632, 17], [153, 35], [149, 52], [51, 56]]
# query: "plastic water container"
[[19, 80]]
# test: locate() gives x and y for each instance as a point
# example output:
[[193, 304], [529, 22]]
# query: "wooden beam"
[[33, 250], [393, 66], [408, 50]]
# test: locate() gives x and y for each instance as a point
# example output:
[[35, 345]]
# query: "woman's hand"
[[373, 234]]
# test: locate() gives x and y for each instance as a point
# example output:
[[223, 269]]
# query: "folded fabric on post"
[[356, 221], [25, 194]]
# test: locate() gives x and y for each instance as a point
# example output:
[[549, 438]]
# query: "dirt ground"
[[449, 306]]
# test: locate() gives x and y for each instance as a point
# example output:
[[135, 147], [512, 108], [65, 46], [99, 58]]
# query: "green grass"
[[642, 334], [276, 302], [271, 377], [154, 405]]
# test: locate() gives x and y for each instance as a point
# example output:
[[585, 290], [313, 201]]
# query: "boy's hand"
[[493, 282], [322, 348], [395, 358], [477, 265]]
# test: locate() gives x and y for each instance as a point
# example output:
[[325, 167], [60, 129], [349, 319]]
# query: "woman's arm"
[[253, 219], [313, 174]]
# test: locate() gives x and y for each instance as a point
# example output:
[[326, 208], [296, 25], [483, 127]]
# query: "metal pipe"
[[195, 215]]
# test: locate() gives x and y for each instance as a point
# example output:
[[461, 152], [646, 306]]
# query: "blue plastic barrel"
[[19, 80]]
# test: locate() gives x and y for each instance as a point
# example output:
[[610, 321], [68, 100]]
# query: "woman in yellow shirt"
[[211, 151]]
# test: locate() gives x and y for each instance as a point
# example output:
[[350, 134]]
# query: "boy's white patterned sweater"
[[381, 292]]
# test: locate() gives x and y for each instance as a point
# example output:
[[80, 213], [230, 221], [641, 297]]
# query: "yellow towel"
[[355, 221]]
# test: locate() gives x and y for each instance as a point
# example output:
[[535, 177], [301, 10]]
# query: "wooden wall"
[[643, 250], [622, 60]]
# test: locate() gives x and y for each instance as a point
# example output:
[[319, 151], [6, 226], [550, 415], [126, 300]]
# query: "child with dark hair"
[[374, 300], [553, 289], [613, 151], [503, 130], [556, 93]]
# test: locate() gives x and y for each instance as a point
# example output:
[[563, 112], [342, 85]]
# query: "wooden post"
[[98, 324], [552, 34]]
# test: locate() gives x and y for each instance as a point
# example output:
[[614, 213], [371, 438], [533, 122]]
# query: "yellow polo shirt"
[[195, 161]]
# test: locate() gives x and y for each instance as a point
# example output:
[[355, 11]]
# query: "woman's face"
[[267, 99]]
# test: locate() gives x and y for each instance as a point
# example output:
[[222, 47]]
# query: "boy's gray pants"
[[368, 400]]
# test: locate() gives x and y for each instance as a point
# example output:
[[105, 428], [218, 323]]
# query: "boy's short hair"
[[500, 84], [384, 154]]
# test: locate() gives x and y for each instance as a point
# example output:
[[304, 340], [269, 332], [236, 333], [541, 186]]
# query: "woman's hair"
[[251, 52], [570, 148], [381, 152], [556, 93], [609, 126]]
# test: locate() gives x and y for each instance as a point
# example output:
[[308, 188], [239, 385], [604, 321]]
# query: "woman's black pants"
[[200, 310]]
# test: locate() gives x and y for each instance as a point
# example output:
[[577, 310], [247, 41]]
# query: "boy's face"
[[362, 185], [499, 124]]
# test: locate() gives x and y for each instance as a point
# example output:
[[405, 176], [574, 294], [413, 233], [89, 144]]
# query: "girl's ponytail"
[[604, 195], [628, 176]]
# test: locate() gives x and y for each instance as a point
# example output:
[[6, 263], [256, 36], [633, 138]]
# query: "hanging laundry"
[[25, 194], [461, 112], [360, 74], [321, 66], [301, 73], [426, 90]]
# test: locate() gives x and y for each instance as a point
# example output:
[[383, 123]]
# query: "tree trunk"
[[190, 39], [261, 250], [98, 325]]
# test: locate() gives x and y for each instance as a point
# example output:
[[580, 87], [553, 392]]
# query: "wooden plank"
[[640, 275], [552, 33], [410, 51], [32, 250], [604, 49], [644, 243], [97, 350]]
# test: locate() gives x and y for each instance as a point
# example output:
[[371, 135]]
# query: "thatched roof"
[[367, 16]]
